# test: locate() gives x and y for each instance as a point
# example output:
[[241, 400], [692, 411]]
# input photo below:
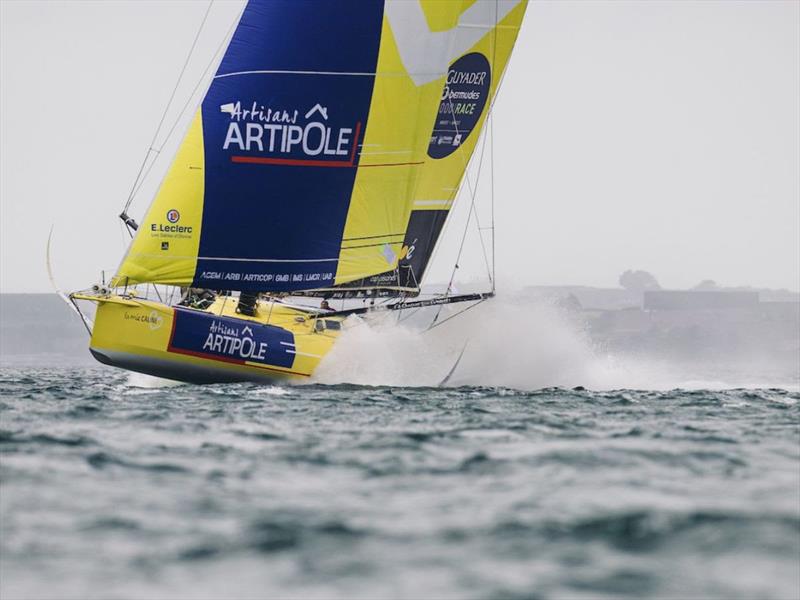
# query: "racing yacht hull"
[[215, 345]]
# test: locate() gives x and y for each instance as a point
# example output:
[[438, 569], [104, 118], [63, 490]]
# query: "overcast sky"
[[653, 135]]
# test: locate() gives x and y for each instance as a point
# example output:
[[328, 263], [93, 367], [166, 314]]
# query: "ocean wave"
[[380, 491]]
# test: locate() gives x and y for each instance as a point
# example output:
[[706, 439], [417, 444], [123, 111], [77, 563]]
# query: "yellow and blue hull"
[[281, 343]]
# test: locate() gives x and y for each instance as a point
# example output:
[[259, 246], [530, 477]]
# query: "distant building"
[[699, 300]]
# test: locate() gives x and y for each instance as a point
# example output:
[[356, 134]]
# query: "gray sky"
[[656, 135]]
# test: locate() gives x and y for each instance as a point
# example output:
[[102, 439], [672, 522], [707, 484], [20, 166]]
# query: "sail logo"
[[288, 137], [172, 230], [464, 96]]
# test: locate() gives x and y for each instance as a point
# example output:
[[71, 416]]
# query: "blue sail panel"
[[281, 124]]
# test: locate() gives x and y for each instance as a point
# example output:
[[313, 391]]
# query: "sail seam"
[[341, 73], [432, 202], [402, 164], [370, 237], [300, 162], [371, 245], [278, 260], [266, 260], [386, 152]]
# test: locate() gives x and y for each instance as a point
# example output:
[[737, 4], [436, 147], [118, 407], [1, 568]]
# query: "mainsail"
[[329, 147]]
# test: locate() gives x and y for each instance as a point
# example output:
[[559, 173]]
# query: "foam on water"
[[528, 347], [140, 380]]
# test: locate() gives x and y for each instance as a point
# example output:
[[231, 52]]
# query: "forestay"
[[329, 147]]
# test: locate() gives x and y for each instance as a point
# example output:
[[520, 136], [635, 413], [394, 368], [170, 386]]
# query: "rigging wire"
[[466, 178], [491, 178], [466, 162], [490, 118], [447, 223], [435, 324], [151, 149], [466, 175], [473, 193], [409, 315], [202, 78], [469, 216], [490, 133], [123, 240], [483, 245]]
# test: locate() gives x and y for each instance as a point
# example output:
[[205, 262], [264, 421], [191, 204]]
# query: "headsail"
[[326, 152], [475, 40]]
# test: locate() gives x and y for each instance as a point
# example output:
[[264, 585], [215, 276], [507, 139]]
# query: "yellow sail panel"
[[396, 141], [470, 88], [439, 67], [443, 16], [441, 175], [389, 164], [166, 245]]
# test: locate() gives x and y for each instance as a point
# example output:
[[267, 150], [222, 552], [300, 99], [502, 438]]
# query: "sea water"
[[110, 490], [545, 470]]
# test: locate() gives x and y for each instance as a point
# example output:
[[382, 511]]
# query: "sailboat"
[[321, 163]]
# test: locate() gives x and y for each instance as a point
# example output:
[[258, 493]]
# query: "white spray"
[[523, 346], [528, 347]]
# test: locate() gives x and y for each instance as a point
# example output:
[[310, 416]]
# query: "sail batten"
[[321, 157]]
